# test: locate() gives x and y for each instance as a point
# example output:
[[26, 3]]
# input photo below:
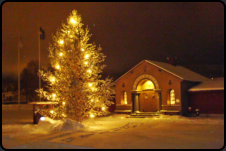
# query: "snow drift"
[[60, 125], [43, 127]]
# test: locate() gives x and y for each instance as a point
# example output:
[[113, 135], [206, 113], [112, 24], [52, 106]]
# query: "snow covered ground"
[[115, 131]]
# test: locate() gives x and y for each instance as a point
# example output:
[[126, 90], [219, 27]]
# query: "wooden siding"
[[208, 102]]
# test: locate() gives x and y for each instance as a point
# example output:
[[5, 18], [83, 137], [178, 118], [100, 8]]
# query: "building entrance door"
[[148, 101]]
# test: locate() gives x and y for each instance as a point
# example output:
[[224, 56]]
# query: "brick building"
[[153, 86]]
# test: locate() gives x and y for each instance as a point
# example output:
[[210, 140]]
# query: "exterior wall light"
[[123, 85], [170, 82]]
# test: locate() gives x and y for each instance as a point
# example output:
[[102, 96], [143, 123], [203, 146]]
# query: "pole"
[[19, 68], [39, 61]]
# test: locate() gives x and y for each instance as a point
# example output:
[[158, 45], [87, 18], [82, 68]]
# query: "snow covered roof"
[[214, 84], [178, 71]]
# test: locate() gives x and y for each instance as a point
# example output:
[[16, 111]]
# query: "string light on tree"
[[92, 116], [87, 56], [61, 42], [57, 66], [52, 79], [54, 95], [73, 21]]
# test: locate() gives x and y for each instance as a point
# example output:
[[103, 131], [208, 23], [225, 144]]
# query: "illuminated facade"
[[153, 86]]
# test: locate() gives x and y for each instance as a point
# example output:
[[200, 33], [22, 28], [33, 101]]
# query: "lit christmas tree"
[[75, 82]]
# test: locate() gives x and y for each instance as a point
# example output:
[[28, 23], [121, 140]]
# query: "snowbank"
[[60, 125], [43, 127]]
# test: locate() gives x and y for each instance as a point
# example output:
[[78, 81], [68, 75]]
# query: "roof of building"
[[178, 71], [213, 84]]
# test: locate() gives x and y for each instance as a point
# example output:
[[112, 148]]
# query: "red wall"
[[208, 102]]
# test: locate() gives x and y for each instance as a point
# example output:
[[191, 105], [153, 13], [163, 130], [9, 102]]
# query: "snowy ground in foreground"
[[115, 131], [100, 123]]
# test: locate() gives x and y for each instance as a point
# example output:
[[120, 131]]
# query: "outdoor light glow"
[[90, 84], [89, 71], [54, 95], [72, 20], [61, 54], [92, 100], [42, 118], [61, 41], [51, 111], [57, 66], [86, 56], [91, 115], [103, 108], [53, 79], [86, 62], [63, 103], [82, 49]]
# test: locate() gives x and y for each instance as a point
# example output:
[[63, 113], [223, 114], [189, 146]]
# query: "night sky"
[[127, 32]]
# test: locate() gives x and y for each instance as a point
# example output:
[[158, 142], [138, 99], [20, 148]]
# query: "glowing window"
[[125, 98], [172, 97]]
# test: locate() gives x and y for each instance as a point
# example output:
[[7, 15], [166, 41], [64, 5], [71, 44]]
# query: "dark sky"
[[127, 32]]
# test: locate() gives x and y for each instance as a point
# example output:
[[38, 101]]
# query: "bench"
[[37, 115]]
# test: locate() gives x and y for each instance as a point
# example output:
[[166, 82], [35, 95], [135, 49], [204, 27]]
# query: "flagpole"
[[18, 69], [39, 60]]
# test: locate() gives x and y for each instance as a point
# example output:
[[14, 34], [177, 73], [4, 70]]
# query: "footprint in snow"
[[86, 135], [69, 139]]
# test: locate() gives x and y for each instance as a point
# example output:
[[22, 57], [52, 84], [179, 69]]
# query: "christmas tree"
[[75, 81]]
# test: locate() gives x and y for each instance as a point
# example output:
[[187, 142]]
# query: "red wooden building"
[[208, 97]]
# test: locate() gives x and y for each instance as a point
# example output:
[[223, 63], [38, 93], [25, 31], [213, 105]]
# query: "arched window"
[[125, 97], [172, 97]]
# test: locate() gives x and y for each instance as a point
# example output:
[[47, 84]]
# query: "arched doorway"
[[148, 99], [146, 95]]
